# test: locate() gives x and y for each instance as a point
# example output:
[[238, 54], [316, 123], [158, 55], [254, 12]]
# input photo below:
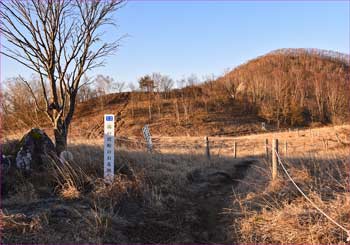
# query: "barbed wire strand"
[[310, 201]]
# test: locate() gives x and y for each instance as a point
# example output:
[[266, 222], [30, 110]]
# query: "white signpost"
[[148, 137], [109, 147]]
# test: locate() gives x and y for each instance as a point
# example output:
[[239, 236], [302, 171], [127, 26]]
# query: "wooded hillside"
[[284, 88]]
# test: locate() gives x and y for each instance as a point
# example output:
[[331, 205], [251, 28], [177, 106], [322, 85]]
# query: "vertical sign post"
[[109, 147], [207, 147], [148, 137], [274, 158], [235, 149]]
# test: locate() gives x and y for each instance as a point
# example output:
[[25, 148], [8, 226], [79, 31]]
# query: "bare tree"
[[146, 84], [59, 41], [192, 80], [86, 92], [118, 86], [163, 83], [103, 84], [177, 112], [18, 106], [132, 87], [133, 98]]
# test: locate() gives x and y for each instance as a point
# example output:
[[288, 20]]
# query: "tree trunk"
[[132, 110], [150, 112], [177, 113], [61, 133], [185, 111]]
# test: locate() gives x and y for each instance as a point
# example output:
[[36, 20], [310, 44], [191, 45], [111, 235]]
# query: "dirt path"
[[213, 224], [195, 215]]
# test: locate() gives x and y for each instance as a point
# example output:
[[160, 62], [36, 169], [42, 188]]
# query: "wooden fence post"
[[274, 158], [207, 148], [286, 148], [235, 149], [267, 148]]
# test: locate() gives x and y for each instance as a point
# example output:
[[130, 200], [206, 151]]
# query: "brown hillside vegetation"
[[294, 86], [285, 88]]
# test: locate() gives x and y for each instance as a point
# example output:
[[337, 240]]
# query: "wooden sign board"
[[108, 147]]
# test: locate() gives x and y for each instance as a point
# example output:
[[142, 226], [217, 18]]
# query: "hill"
[[294, 86], [284, 88]]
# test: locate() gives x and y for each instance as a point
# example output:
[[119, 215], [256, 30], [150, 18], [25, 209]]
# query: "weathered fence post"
[[267, 148], [207, 147], [274, 158], [235, 149], [148, 138], [286, 148]]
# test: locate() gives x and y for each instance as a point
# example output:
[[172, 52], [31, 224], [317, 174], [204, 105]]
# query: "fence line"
[[228, 146], [309, 200], [276, 159]]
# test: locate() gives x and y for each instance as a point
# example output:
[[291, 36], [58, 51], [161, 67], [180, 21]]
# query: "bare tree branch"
[[60, 41]]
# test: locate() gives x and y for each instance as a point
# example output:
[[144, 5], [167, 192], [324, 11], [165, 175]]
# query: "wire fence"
[[306, 142], [310, 142], [308, 199]]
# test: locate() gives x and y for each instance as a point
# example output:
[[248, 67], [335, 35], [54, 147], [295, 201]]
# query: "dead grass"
[[71, 203], [69, 192], [275, 212]]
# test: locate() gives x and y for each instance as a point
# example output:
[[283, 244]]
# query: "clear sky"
[[180, 38]]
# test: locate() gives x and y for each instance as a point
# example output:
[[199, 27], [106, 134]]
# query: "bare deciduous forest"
[[285, 88]]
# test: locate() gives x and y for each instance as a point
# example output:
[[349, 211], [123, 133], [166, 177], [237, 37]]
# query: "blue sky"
[[180, 38]]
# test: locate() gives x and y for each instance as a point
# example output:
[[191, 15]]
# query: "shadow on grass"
[[174, 198]]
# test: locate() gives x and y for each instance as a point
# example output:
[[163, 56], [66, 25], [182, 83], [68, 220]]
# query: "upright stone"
[[34, 149]]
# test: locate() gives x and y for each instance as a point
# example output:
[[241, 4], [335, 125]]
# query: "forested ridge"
[[284, 88], [294, 86]]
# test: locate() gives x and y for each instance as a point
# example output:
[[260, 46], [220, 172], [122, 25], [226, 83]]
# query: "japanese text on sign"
[[108, 147]]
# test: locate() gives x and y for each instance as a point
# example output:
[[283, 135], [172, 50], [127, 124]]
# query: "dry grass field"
[[246, 145], [177, 195]]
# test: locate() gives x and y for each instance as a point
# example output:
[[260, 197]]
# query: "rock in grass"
[[34, 150], [6, 163], [66, 156]]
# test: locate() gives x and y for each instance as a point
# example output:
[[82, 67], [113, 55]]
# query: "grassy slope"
[[223, 117], [227, 120]]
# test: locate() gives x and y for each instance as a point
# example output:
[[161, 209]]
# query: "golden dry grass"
[[160, 205], [275, 212]]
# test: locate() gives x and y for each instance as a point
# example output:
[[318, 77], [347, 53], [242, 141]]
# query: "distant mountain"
[[293, 86], [284, 88]]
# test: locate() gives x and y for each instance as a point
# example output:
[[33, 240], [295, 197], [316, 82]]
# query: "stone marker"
[[34, 149]]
